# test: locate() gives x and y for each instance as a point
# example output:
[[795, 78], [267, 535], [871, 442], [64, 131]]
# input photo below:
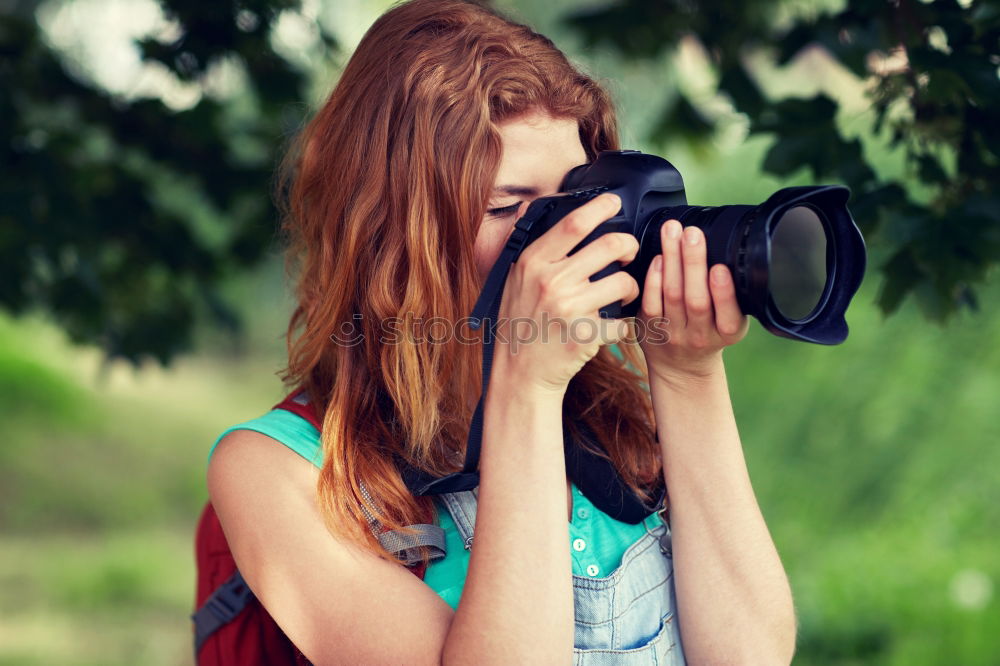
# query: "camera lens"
[[798, 269]]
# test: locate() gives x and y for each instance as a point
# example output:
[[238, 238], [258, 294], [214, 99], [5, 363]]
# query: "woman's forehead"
[[538, 150]]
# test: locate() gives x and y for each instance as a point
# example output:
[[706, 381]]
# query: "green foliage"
[[122, 218], [932, 75], [98, 199]]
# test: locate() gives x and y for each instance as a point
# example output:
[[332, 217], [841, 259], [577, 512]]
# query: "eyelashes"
[[505, 211]]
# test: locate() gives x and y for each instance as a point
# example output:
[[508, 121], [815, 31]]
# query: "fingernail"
[[691, 235], [673, 229], [720, 275], [615, 200], [658, 262]]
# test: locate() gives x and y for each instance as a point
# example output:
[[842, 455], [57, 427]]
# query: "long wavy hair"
[[381, 193]]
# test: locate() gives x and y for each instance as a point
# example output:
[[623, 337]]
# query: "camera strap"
[[594, 475], [485, 311]]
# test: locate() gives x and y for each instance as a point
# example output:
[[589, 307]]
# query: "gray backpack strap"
[[462, 506], [406, 547]]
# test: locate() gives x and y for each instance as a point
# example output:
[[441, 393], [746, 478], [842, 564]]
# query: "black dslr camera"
[[797, 259]]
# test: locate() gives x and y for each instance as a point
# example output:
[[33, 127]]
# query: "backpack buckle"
[[220, 608], [230, 598]]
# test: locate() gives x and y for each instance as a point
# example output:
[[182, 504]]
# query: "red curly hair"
[[385, 188]]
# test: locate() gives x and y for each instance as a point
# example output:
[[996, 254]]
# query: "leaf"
[[741, 88], [930, 170], [900, 276], [872, 208], [683, 120], [796, 113]]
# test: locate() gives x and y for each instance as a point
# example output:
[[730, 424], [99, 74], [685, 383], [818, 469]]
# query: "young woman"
[[446, 123]]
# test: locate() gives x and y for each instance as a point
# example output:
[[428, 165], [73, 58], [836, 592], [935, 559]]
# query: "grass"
[[108, 596], [874, 463], [102, 478]]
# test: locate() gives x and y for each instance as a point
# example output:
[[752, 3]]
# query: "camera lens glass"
[[798, 271]]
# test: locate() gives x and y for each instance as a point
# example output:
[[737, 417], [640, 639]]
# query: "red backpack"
[[231, 627]]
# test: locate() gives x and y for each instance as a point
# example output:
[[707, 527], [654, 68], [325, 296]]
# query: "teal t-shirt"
[[597, 541]]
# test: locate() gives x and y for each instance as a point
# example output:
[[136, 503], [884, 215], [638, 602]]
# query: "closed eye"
[[505, 211]]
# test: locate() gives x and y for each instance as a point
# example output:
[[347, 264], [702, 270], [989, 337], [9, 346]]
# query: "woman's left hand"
[[700, 308]]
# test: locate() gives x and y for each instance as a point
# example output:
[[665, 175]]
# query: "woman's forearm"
[[517, 603], [734, 601]]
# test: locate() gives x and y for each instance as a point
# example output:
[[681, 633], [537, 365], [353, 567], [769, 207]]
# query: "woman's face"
[[538, 151]]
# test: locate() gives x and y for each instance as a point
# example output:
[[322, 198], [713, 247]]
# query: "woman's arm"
[[338, 603], [734, 601], [517, 605], [735, 605], [343, 605]]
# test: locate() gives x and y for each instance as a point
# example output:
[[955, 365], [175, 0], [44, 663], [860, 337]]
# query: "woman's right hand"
[[549, 325]]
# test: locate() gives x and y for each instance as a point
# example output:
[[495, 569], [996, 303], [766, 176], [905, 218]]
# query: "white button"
[[592, 570], [582, 512], [579, 544]]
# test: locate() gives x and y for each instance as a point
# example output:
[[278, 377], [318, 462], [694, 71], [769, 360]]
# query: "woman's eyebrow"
[[516, 190]]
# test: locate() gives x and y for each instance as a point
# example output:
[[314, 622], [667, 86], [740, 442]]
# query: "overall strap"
[[462, 506]]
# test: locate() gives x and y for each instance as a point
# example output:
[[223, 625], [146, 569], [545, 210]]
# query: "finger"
[[697, 299], [673, 276], [652, 289], [729, 320], [593, 328], [598, 254], [555, 243], [613, 330], [617, 286]]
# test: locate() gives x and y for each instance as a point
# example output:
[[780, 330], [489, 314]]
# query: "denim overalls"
[[625, 619]]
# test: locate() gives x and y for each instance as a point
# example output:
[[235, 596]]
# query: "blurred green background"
[[875, 462]]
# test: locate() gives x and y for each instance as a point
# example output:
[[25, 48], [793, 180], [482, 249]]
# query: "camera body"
[[646, 185]]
